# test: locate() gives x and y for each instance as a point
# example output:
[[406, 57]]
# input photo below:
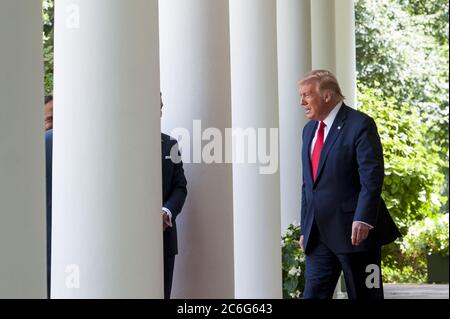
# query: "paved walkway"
[[410, 291]]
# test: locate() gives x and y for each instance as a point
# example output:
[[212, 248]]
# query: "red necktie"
[[315, 157]]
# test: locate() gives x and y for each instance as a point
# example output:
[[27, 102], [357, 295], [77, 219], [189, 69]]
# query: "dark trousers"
[[169, 263], [362, 273], [49, 250]]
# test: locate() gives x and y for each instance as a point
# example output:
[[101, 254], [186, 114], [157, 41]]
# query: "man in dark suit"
[[344, 220], [48, 124], [174, 193]]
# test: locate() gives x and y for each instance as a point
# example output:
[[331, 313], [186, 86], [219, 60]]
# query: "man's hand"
[[301, 242], [360, 231], [167, 221]]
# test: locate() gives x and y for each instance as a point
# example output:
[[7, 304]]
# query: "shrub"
[[415, 271], [428, 236], [48, 21], [293, 263]]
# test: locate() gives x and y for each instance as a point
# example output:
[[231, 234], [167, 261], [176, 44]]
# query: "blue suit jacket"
[[348, 184], [174, 190]]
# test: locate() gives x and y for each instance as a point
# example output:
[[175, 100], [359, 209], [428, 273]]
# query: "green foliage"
[[413, 177], [428, 236], [435, 13], [405, 271], [48, 20], [405, 261], [398, 48], [293, 263]]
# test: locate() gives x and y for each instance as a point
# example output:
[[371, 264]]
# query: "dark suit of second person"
[[48, 166], [344, 220], [174, 193]]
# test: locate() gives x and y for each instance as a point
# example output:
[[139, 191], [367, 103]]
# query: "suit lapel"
[[333, 134], [309, 135]]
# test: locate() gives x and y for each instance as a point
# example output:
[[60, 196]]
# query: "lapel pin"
[[339, 127]]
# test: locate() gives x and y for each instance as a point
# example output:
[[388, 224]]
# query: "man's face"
[[48, 115], [311, 101]]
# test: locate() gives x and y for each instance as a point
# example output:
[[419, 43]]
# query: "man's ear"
[[328, 96]]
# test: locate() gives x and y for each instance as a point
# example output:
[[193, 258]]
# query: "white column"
[[254, 78], [323, 49], [22, 164], [346, 49], [195, 81], [107, 233], [333, 42], [294, 61]]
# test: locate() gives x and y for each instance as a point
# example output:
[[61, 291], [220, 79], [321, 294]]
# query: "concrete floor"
[[411, 291]]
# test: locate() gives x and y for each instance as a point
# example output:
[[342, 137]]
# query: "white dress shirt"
[[329, 122], [167, 211]]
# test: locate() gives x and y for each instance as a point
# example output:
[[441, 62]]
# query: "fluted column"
[[107, 233], [22, 163], [254, 83], [294, 61]]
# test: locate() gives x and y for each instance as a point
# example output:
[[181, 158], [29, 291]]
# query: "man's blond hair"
[[326, 80]]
